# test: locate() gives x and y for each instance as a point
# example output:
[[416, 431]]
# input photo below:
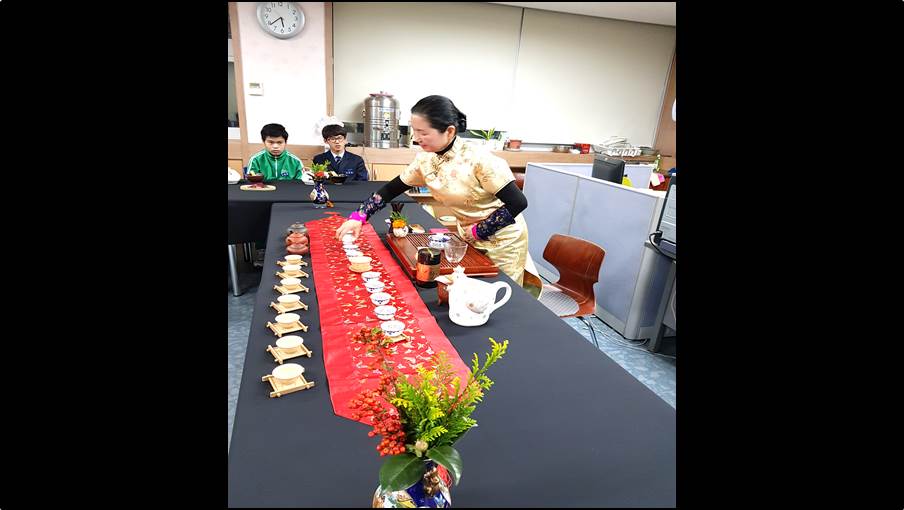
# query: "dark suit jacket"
[[351, 165]]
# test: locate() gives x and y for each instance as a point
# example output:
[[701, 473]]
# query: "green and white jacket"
[[286, 167]]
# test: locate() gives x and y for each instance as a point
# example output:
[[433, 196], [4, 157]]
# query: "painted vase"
[[431, 491]]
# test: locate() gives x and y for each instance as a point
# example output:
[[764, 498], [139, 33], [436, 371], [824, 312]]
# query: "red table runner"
[[345, 307]]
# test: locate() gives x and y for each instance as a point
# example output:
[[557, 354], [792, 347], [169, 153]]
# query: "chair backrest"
[[578, 262]]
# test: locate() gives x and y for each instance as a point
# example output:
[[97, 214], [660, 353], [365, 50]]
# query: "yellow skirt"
[[507, 249]]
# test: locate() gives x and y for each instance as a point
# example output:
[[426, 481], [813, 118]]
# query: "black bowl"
[[338, 179]]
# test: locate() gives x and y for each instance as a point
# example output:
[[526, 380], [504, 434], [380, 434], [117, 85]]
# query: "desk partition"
[[564, 199]]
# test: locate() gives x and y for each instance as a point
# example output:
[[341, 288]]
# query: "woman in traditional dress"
[[476, 185]]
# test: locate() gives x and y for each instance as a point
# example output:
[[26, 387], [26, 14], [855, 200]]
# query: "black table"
[[563, 425], [249, 211]]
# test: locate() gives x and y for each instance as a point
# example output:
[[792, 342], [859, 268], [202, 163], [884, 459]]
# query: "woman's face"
[[428, 138]]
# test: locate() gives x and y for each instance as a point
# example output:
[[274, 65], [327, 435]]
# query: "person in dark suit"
[[341, 162]]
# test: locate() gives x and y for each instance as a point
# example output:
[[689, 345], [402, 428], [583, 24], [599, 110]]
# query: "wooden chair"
[[578, 262]]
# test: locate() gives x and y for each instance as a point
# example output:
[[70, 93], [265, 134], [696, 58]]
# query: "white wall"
[[292, 72], [564, 78], [584, 79], [464, 51]]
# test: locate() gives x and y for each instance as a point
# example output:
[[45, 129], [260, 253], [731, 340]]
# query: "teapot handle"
[[505, 298]]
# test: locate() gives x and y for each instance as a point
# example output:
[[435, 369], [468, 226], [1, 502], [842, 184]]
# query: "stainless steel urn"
[[381, 121]]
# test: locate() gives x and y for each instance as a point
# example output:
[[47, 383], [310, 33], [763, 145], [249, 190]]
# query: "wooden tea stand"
[[280, 330], [279, 307], [280, 388], [280, 354]]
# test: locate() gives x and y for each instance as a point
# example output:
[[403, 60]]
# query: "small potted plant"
[[420, 418], [489, 138], [399, 224]]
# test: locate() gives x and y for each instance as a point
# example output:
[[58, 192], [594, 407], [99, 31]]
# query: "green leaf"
[[401, 471], [447, 457]]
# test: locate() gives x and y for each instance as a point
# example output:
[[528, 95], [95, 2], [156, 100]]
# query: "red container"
[[583, 147]]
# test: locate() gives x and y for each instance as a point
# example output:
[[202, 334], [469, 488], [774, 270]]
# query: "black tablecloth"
[[563, 425], [249, 211]]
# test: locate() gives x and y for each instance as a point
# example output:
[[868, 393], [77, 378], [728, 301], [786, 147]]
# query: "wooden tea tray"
[[283, 309], [280, 388], [280, 355], [405, 248], [250, 187]]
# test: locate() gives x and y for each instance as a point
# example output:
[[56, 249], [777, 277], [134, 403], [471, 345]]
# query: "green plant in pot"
[[420, 418]]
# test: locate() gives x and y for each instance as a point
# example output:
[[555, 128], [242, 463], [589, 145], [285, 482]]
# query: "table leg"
[[233, 271]]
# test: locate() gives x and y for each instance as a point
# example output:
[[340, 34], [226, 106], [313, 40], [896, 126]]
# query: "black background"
[[110, 250]]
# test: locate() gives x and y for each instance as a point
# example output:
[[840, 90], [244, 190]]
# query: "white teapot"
[[472, 301]]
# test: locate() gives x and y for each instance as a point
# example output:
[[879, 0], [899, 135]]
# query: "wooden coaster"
[[280, 388], [280, 330], [283, 263], [250, 187], [362, 270], [283, 290], [401, 337], [280, 354], [283, 309], [301, 274]]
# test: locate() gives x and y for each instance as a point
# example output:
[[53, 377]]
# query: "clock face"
[[280, 19]]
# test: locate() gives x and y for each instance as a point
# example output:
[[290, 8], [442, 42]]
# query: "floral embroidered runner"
[[345, 307]]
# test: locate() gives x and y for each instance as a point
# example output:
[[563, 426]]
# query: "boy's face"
[[275, 145], [337, 143]]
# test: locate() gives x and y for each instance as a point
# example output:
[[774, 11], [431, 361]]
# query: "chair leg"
[[592, 332]]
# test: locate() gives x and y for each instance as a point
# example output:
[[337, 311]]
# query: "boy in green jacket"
[[275, 162]]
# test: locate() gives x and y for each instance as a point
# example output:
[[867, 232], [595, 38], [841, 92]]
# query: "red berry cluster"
[[370, 336], [386, 422]]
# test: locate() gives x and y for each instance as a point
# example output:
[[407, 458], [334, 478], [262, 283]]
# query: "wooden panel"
[[328, 46], [405, 248], [522, 158], [515, 159], [665, 134], [234, 149], [384, 172], [239, 74], [236, 164]]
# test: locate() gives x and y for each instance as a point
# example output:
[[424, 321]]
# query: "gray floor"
[[656, 371]]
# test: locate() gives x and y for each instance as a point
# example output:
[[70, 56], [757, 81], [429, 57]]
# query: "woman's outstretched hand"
[[352, 227]]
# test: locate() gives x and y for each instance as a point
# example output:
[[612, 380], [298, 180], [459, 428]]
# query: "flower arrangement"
[[318, 171], [420, 417]]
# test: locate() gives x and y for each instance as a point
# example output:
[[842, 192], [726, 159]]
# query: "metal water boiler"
[[381, 121]]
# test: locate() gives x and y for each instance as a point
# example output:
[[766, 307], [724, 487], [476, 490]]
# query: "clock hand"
[[274, 21], [281, 21]]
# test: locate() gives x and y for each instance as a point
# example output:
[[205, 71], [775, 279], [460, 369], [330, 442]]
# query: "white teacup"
[[380, 298], [292, 259], [374, 286], [353, 253], [287, 371], [291, 268], [288, 299], [287, 319], [385, 312], [392, 328], [349, 246], [290, 343], [370, 275], [348, 238], [290, 283]]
